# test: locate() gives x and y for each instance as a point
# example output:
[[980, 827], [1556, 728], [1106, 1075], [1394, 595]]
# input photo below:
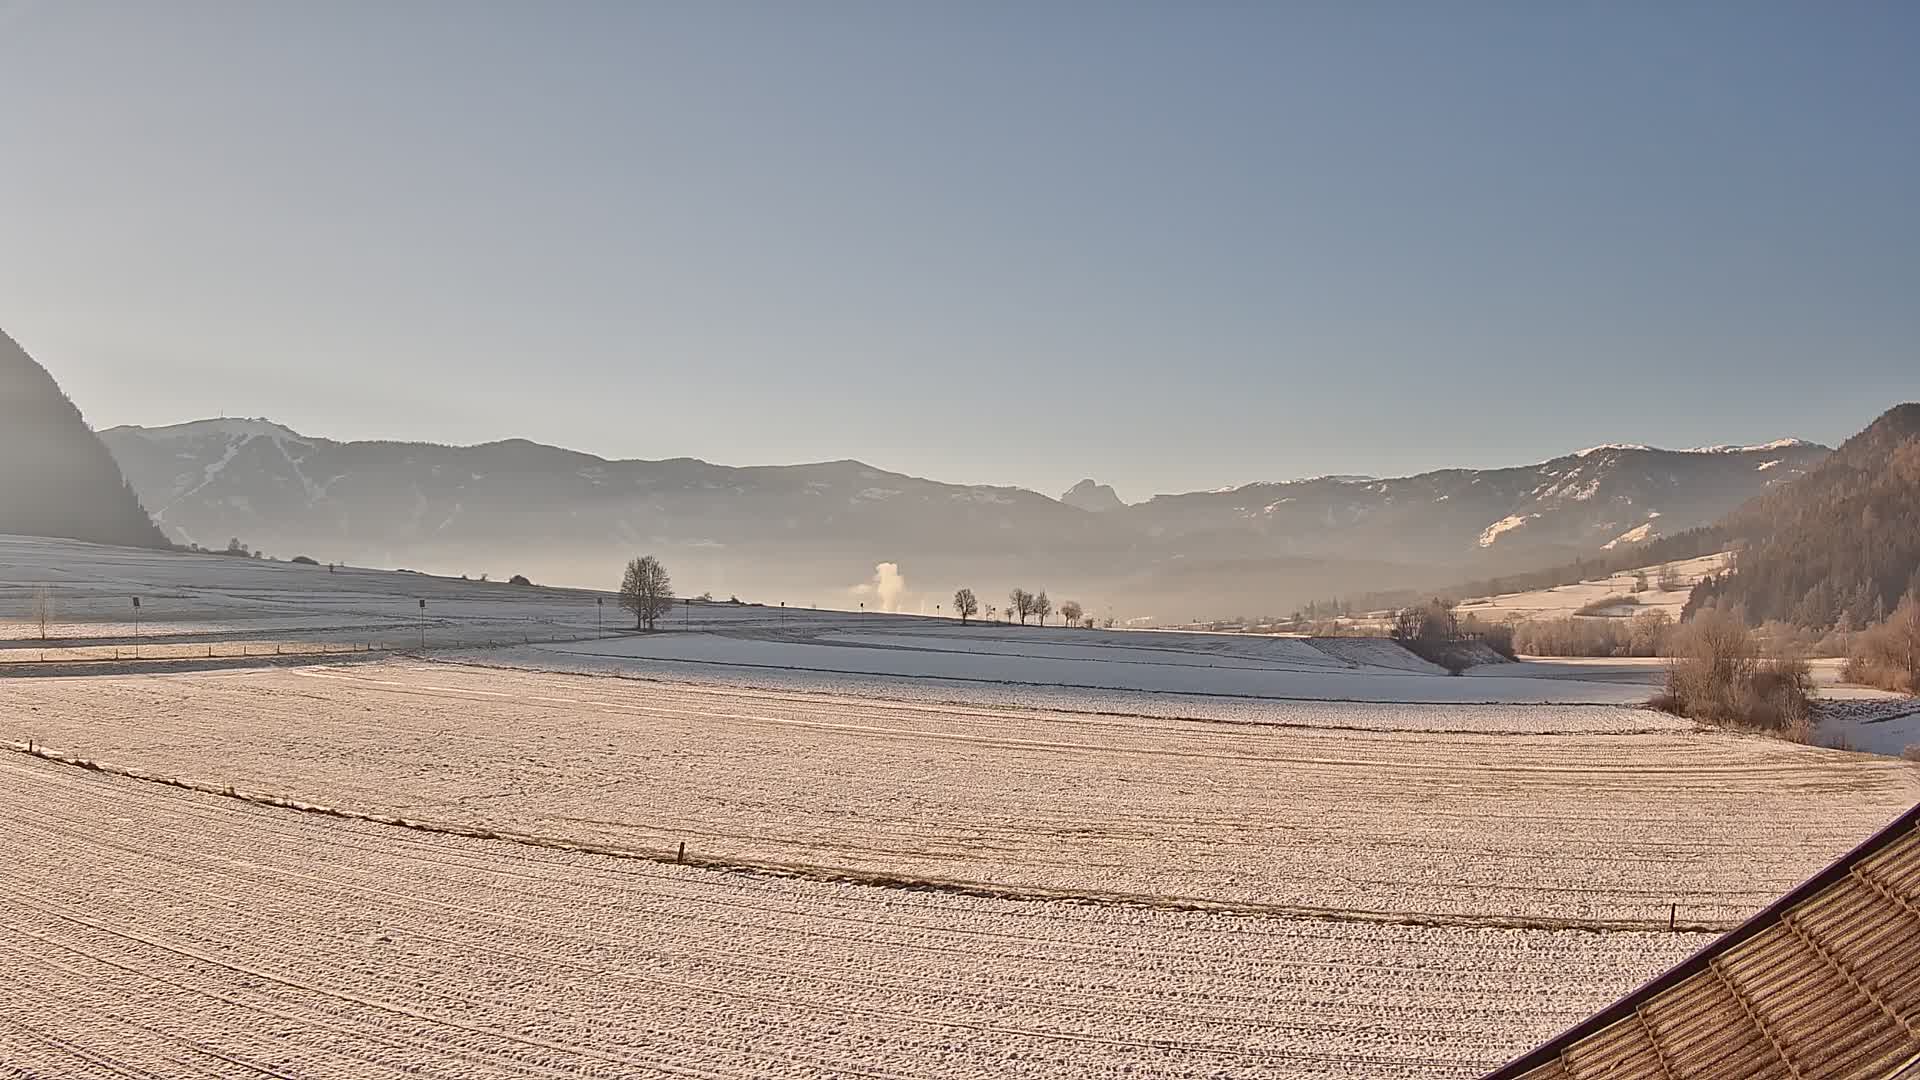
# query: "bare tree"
[[1020, 602], [1669, 579], [1717, 674], [647, 591], [42, 609], [1888, 655], [1071, 612], [966, 604], [990, 612], [1042, 606]]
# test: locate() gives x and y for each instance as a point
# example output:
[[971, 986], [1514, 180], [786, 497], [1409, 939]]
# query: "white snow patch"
[[1756, 448], [1631, 536], [1504, 525]]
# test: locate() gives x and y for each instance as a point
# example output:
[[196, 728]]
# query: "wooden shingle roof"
[[1822, 985]]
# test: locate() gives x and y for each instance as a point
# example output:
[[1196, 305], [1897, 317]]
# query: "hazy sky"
[[1169, 246]]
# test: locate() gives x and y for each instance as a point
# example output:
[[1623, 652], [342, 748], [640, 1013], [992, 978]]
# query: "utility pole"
[[600, 615], [423, 624], [136, 622]]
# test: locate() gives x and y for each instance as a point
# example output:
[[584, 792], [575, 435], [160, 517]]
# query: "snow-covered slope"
[[1562, 601], [1577, 504]]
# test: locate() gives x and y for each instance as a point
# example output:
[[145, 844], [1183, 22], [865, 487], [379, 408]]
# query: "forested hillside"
[[56, 478], [1840, 546]]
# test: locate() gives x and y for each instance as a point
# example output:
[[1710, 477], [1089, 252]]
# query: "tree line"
[[1022, 605]]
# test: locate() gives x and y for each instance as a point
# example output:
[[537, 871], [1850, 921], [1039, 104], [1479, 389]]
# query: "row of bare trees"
[[1023, 605], [647, 591]]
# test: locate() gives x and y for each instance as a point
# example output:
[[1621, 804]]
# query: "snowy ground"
[[1403, 810], [1136, 664], [163, 933], [924, 849], [197, 599]]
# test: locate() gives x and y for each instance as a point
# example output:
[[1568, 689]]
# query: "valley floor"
[[911, 849]]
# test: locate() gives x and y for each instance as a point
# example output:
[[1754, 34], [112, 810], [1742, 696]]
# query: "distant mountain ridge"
[[1091, 497], [561, 515], [56, 478]]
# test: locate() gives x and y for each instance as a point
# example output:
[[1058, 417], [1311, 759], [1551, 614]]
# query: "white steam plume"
[[886, 592]]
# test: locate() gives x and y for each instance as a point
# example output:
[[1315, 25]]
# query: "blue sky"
[[1170, 246]]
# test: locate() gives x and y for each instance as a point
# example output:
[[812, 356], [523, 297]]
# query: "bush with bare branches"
[[1888, 655], [1644, 635], [1716, 674]]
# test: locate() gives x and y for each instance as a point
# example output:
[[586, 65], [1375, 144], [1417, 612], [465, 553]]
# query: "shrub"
[[1434, 632], [1647, 634], [1644, 635], [518, 579], [1569, 637], [1888, 655], [1911, 753], [1781, 698], [1496, 636], [303, 561], [1433, 622], [1717, 675]]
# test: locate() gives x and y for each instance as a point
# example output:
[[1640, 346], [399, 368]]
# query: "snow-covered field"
[[915, 848], [161, 933], [1134, 664], [1565, 600], [1449, 810], [196, 599]]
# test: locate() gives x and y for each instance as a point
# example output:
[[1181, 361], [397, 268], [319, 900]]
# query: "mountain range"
[[814, 533]]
